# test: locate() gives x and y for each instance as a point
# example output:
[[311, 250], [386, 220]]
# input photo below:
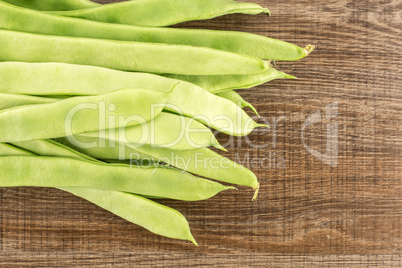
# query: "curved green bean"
[[127, 56], [67, 172], [237, 99], [67, 79], [53, 5], [152, 216], [79, 115], [203, 162], [20, 19], [162, 12], [50, 78], [165, 131], [221, 83], [130, 207]]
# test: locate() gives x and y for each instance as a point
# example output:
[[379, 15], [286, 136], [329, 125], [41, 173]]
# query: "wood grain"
[[308, 213]]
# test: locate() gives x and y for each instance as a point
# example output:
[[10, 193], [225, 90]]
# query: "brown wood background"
[[308, 213]]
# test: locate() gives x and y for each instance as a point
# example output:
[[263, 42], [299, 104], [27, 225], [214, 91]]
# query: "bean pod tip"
[[220, 147], [266, 11], [288, 76], [262, 125], [191, 239], [217, 145], [249, 105]]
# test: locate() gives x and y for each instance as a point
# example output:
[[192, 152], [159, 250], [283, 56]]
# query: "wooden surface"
[[308, 213]]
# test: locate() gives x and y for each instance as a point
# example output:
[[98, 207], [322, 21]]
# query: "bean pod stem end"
[[309, 49], [257, 189]]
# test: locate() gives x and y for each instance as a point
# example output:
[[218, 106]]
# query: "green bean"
[[203, 162], [20, 19], [67, 79], [13, 100], [128, 56], [164, 131], [237, 99], [242, 124], [152, 216], [74, 80], [51, 148], [110, 154], [162, 12], [221, 83], [67, 172], [53, 5], [133, 208], [79, 115]]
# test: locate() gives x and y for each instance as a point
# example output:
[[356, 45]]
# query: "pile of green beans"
[[98, 102]]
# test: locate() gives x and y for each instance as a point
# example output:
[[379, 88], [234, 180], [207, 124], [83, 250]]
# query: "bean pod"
[[40, 171], [238, 42], [162, 12], [80, 114], [126, 56], [164, 131], [133, 208]]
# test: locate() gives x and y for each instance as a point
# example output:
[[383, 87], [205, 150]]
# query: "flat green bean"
[[67, 79], [203, 162], [130, 207], [237, 99], [80, 114], [53, 5], [68, 172], [51, 78], [21, 19], [221, 83], [152, 216], [162, 12], [165, 131], [127, 56]]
